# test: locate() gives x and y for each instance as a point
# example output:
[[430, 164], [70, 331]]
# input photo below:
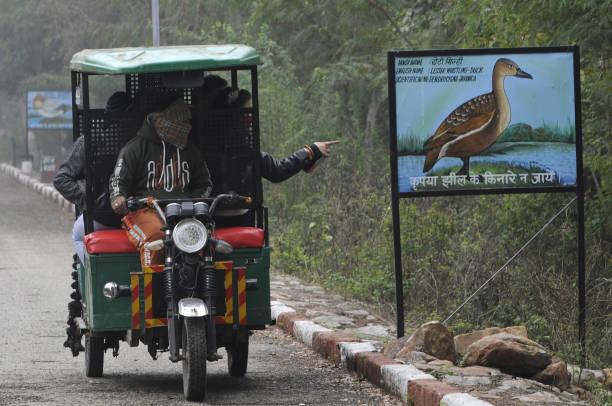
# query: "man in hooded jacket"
[[159, 163]]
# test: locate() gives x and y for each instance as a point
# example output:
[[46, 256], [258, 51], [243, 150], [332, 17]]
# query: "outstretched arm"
[[303, 159]]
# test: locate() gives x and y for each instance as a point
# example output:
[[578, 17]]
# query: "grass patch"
[[410, 144]]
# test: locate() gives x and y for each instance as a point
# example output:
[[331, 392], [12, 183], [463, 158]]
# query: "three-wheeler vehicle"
[[214, 287]]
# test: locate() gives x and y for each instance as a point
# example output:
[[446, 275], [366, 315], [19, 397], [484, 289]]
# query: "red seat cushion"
[[108, 242], [116, 241], [241, 237]]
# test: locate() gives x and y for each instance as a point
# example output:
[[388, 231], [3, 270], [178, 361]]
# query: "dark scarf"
[[172, 125]]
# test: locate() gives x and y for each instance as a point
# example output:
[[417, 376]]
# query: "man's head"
[[233, 98], [172, 124], [118, 102], [213, 84], [244, 99], [225, 98]]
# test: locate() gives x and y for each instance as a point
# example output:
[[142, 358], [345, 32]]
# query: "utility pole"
[[155, 21]]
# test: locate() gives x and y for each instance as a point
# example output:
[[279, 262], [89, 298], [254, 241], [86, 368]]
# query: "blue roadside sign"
[[49, 110]]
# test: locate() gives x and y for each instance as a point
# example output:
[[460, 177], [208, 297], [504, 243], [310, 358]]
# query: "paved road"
[[35, 252]]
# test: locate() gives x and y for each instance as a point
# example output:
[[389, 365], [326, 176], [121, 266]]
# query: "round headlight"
[[190, 235], [110, 291]]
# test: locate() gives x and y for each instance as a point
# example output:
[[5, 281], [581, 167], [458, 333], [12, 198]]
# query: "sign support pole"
[[27, 152], [399, 284], [580, 194], [581, 279], [397, 239]]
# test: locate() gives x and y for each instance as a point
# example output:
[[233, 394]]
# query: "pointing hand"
[[324, 146]]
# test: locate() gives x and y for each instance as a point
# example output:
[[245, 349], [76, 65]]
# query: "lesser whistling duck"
[[476, 124]]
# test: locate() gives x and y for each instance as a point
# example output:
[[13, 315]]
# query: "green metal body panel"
[[81, 273], [257, 263], [99, 313], [163, 59], [103, 315]]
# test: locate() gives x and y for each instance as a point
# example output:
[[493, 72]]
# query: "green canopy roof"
[[163, 58]]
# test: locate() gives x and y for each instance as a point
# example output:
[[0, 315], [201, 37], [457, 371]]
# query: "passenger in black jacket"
[[275, 171], [271, 169], [70, 182]]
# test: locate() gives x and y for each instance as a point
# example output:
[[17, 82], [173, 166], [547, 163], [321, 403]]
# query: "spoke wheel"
[[194, 358], [94, 356], [238, 355]]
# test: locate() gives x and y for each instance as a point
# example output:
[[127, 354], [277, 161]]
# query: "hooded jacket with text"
[[149, 167]]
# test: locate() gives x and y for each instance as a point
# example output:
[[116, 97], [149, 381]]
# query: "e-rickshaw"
[[214, 289]]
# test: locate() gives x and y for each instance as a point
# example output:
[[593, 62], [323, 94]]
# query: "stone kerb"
[[49, 192], [303, 330], [277, 308], [405, 381], [349, 351], [462, 399], [398, 376], [327, 343], [369, 365], [431, 392], [287, 320]]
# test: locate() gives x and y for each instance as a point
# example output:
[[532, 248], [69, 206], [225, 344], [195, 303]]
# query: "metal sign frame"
[[444, 89], [578, 187]]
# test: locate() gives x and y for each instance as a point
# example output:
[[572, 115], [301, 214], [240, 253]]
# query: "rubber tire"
[[238, 356], [194, 358], [94, 356]]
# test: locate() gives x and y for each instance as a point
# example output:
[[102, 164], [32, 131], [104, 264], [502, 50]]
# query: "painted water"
[[554, 156]]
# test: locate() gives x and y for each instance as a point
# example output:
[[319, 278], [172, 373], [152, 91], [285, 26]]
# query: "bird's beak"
[[522, 74]]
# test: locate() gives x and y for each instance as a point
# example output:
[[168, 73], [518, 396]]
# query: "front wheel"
[[94, 356], [194, 358], [238, 355]]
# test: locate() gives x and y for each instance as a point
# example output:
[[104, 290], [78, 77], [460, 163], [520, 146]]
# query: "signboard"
[[483, 121], [49, 110], [47, 168]]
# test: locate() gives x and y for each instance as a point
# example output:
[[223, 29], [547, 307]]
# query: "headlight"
[[189, 235], [110, 291]]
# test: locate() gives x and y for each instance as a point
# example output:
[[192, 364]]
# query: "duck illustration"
[[49, 108], [476, 124]]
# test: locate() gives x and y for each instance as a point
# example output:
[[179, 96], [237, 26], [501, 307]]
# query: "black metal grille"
[[227, 130], [153, 96], [108, 133], [131, 85], [228, 138], [230, 146]]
